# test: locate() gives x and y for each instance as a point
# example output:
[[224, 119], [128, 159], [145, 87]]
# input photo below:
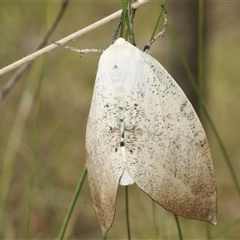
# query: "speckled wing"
[[167, 150], [142, 124], [104, 160]]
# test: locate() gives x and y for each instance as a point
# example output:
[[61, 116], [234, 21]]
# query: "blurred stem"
[[38, 108], [18, 127], [200, 52], [34, 153], [36, 133], [14, 144], [127, 214], [226, 228], [178, 226], [35, 147], [105, 237], [208, 231], [155, 220], [73, 203], [204, 108], [16, 76]]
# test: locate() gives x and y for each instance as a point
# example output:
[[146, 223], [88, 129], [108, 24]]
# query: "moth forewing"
[[143, 129], [103, 161]]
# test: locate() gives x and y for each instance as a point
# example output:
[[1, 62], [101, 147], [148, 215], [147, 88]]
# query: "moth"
[[142, 129]]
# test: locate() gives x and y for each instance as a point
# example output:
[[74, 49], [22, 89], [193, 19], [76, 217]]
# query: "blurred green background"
[[67, 84]]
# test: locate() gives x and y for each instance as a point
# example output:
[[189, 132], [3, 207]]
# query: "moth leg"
[[161, 34]]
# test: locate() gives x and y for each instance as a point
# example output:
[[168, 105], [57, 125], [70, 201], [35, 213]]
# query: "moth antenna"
[[81, 51], [147, 47]]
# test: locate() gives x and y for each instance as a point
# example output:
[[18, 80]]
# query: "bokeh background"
[[58, 133]]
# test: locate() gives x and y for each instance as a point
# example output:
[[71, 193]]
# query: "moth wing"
[[102, 144], [167, 150]]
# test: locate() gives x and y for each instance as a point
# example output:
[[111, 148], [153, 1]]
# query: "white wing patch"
[[143, 129]]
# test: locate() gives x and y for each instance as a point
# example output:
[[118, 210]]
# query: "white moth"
[[142, 129]]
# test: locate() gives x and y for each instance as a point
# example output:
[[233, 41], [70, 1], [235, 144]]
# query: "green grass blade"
[[73, 203], [178, 227], [124, 9], [127, 213], [105, 237], [126, 21], [208, 231]]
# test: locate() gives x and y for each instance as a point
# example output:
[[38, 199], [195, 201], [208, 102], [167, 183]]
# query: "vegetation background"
[[61, 82]]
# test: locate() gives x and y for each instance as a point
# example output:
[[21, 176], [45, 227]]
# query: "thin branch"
[[16, 76], [68, 38]]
